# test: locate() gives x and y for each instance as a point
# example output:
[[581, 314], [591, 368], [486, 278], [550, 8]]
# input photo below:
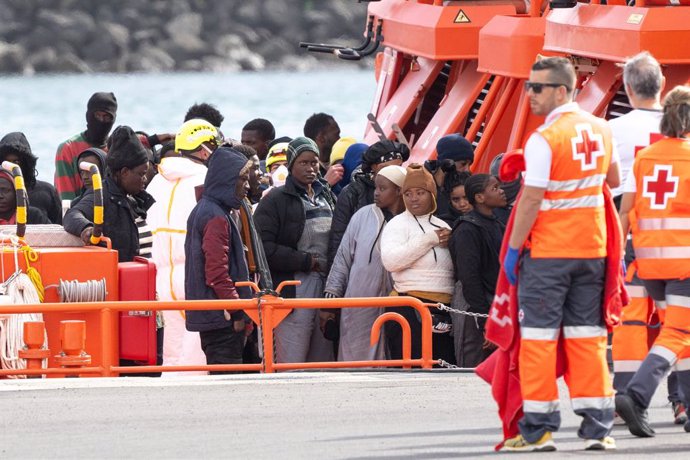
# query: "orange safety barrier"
[[267, 309]]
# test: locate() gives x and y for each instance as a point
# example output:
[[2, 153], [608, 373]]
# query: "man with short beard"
[[101, 111]]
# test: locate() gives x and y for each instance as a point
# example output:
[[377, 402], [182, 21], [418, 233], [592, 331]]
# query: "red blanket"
[[501, 370]]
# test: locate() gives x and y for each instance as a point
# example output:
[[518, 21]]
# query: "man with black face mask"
[[100, 117]]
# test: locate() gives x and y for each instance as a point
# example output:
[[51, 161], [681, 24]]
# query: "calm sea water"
[[51, 108]]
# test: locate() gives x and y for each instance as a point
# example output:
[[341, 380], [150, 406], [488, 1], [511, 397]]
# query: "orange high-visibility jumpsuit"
[[561, 279]]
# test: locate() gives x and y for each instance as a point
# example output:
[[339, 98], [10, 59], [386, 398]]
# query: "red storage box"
[[137, 281]]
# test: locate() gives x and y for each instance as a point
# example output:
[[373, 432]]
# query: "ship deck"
[[291, 415]]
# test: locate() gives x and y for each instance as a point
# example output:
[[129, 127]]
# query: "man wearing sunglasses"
[[559, 236]]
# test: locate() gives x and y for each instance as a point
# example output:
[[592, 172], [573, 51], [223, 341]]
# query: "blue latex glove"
[[624, 268], [510, 265]]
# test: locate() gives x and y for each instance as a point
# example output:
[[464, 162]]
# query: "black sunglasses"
[[538, 87]]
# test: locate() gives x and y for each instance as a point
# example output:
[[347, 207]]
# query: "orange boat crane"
[[459, 66]]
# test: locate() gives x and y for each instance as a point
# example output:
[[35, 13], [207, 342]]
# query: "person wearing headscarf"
[[15, 148], [511, 190], [360, 191], [357, 270], [414, 249], [101, 111], [294, 222]]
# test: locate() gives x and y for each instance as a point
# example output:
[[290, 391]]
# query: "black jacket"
[[118, 217], [44, 197], [475, 246], [355, 195], [280, 220]]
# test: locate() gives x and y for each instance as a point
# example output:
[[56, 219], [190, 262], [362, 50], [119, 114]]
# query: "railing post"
[[72, 343], [406, 334], [34, 354], [106, 342], [267, 320]]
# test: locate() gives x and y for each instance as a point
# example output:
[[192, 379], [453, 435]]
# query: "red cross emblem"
[[653, 137], [660, 187], [587, 146]]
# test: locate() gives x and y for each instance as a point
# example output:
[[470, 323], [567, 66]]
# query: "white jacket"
[[410, 251], [173, 190]]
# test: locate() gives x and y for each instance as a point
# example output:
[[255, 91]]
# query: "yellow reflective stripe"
[[96, 182], [172, 268], [169, 230], [172, 198], [98, 215], [21, 214]]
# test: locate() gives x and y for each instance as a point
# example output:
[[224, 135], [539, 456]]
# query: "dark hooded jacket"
[[214, 251], [100, 154], [357, 194], [475, 245], [42, 195]]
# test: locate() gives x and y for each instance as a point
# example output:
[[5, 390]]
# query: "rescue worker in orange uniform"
[[656, 206], [560, 222], [643, 83]]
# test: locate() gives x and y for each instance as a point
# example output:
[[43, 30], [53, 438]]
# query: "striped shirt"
[[145, 237]]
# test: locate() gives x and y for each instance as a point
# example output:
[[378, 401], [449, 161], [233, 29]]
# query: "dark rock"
[[150, 59], [12, 58], [69, 62], [44, 60]]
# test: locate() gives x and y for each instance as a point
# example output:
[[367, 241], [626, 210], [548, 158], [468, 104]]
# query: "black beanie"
[[126, 150], [102, 101], [454, 147], [384, 151]]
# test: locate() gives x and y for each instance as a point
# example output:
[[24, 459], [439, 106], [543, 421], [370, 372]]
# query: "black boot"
[[634, 415]]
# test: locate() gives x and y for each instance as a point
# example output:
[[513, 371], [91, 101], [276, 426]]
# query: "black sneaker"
[[634, 415], [686, 427]]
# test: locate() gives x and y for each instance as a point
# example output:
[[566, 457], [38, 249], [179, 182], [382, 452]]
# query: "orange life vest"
[[571, 222], [661, 216]]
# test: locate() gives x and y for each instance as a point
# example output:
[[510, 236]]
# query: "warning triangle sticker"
[[461, 18]]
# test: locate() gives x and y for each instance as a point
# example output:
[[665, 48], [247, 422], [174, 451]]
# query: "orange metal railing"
[[269, 308]]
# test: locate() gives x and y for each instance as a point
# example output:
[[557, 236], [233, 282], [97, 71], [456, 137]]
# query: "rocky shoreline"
[[83, 36]]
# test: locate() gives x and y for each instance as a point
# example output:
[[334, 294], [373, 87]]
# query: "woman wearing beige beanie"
[[414, 249]]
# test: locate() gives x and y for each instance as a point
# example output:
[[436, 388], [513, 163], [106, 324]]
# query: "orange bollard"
[[72, 341], [406, 334], [34, 354]]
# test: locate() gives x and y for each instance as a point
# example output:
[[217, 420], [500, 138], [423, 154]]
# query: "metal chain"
[[447, 365], [443, 307]]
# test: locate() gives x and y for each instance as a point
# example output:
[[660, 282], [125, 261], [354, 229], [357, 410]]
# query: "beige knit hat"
[[418, 177], [394, 173]]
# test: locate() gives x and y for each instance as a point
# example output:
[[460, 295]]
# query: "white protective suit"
[[173, 190]]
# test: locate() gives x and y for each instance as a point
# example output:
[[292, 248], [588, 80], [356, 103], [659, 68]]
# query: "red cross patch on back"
[[587, 146], [660, 187]]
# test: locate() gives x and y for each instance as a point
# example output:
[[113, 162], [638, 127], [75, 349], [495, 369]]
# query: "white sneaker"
[[607, 443]]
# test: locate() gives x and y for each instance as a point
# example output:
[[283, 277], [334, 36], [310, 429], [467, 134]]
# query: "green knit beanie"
[[298, 146]]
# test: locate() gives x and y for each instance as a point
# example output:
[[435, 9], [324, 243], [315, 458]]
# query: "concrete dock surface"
[[320, 415]]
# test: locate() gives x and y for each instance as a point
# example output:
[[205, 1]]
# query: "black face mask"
[[97, 131]]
